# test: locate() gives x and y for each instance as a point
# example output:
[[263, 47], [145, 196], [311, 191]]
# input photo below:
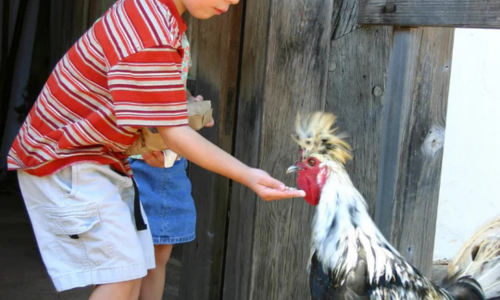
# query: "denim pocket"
[[81, 238]]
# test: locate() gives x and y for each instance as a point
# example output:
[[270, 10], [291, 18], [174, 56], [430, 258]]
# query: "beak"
[[293, 169]]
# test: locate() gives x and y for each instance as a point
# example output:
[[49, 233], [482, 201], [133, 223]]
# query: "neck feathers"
[[345, 237], [343, 230]]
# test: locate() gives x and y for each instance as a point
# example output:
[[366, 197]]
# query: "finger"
[[199, 98], [148, 156], [272, 195], [211, 123], [151, 160], [158, 155]]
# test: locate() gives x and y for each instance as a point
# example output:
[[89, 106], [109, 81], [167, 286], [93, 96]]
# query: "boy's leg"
[[83, 221]]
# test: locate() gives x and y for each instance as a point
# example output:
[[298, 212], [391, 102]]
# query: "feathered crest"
[[315, 135]]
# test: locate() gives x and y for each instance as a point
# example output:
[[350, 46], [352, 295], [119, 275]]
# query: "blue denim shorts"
[[166, 197]]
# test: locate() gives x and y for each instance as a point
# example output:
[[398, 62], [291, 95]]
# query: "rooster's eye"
[[312, 162]]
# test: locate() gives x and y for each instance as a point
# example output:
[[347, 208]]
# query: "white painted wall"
[[470, 180]]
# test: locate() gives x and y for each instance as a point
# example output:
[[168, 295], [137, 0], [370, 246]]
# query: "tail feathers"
[[479, 258], [463, 288]]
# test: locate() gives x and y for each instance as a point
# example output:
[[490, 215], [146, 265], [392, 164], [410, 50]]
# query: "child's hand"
[[269, 188], [192, 98], [154, 159], [197, 99]]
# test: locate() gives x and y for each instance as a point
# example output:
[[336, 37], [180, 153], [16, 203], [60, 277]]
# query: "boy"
[[123, 74]]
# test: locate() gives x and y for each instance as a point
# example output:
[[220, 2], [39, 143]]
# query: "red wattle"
[[306, 181]]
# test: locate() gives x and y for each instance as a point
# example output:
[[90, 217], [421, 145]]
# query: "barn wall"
[[363, 74]]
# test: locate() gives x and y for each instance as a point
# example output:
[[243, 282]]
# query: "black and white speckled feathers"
[[350, 258]]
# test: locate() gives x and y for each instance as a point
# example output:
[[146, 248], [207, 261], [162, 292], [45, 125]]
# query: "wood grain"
[[238, 260], [345, 17], [284, 70], [412, 142], [216, 49], [357, 78], [453, 13]]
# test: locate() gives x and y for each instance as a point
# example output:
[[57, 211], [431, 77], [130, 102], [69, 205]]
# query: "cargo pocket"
[[81, 239]]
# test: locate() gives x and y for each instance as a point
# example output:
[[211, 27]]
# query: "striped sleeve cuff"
[[148, 90]]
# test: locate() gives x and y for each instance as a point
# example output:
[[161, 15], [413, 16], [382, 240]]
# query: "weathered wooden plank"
[[238, 260], [356, 88], [278, 79], [454, 13], [398, 98], [297, 69], [345, 17], [412, 142], [216, 79]]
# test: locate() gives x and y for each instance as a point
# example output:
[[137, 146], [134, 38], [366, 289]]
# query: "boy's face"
[[205, 9]]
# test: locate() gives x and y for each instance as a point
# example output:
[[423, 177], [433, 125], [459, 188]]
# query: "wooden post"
[[357, 75], [284, 69], [238, 270], [216, 50], [412, 141]]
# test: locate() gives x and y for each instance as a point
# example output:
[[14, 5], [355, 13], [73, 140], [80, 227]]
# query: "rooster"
[[350, 258]]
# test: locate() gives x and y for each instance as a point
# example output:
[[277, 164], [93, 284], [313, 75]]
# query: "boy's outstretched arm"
[[195, 148]]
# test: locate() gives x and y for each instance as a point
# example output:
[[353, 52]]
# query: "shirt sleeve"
[[148, 90]]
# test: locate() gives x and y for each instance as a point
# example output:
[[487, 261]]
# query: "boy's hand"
[[198, 99], [269, 188], [154, 159]]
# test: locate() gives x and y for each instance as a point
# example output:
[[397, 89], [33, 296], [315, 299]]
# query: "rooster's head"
[[320, 147]]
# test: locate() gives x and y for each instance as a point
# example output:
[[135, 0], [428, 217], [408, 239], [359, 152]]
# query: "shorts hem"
[[102, 276], [164, 240]]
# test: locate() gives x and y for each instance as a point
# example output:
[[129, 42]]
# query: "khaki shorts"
[[83, 219]]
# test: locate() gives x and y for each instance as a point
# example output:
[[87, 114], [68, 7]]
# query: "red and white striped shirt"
[[123, 74]]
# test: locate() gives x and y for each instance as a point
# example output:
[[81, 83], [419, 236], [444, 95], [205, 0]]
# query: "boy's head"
[[204, 9]]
